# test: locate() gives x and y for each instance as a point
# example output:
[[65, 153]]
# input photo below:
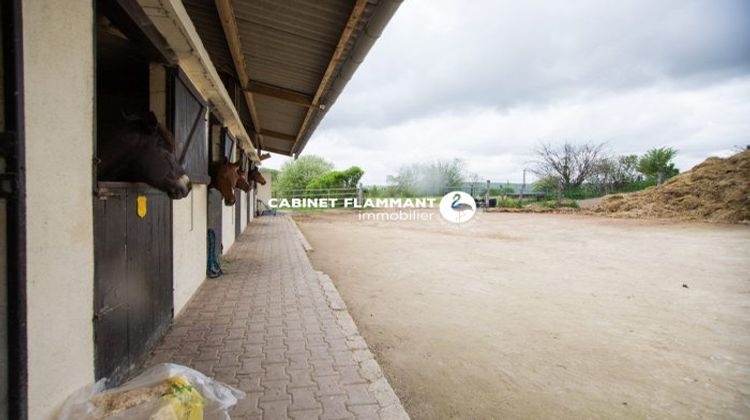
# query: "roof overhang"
[[291, 59]]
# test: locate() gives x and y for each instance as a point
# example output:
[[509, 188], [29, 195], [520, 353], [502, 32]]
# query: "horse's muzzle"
[[181, 188]]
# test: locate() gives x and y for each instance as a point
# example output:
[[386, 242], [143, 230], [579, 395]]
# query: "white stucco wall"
[[243, 215], [264, 191], [189, 215], [189, 244], [227, 227], [251, 203], [58, 64]]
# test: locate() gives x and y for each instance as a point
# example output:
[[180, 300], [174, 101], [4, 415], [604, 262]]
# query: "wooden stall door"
[[188, 123], [133, 302]]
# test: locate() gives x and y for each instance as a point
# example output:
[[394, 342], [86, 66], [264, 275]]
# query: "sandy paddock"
[[544, 315]]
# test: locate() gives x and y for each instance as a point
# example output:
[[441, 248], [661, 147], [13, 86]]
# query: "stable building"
[[93, 270]]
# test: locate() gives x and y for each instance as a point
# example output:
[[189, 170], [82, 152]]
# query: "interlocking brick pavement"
[[277, 329]]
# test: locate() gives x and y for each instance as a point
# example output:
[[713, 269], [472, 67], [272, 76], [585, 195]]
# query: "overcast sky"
[[487, 80]]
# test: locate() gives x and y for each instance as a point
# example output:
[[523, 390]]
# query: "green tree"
[[404, 183], [657, 164], [352, 176], [296, 174], [337, 179], [626, 170], [548, 185], [614, 172], [271, 174]]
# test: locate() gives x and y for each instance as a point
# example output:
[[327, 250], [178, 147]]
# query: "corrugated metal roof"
[[287, 44], [277, 115]]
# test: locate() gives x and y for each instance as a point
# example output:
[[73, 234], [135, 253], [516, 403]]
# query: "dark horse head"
[[139, 149], [224, 177]]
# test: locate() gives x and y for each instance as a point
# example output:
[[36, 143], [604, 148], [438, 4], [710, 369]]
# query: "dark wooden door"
[[188, 123], [132, 275], [13, 355]]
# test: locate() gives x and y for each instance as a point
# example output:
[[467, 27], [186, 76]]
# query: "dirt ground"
[[548, 316]]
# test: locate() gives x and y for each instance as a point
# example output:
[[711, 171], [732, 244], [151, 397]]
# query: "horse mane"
[[168, 138], [150, 125]]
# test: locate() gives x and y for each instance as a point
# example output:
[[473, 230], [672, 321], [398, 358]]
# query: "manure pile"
[[717, 190]]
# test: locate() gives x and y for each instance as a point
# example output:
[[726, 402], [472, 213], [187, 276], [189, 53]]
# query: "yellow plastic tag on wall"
[[142, 205]]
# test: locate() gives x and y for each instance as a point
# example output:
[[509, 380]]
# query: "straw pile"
[[717, 190]]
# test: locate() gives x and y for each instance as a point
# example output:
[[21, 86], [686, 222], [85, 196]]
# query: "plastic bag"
[[163, 392]]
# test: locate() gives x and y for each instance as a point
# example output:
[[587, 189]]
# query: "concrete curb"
[[369, 368], [390, 405], [305, 245]]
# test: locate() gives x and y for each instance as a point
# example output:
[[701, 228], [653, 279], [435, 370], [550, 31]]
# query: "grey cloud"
[[486, 80], [442, 54]]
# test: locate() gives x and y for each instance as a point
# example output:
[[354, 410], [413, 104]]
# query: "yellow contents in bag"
[[182, 402]]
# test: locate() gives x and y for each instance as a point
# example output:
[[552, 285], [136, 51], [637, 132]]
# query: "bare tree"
[[571, 163]]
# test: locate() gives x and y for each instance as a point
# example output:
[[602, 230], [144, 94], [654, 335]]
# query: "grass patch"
[[554, 204], [513, 204]]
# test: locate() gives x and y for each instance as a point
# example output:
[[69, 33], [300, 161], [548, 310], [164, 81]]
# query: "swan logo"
[[457, 207]]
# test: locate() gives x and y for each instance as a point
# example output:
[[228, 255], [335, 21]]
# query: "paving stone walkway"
[[277, 329]]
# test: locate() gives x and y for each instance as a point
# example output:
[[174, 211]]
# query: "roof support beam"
[[276, 134], [277, 92], [351, 24], [275, 150], [232, 34]]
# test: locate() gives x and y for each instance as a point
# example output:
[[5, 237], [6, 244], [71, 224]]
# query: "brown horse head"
[[242, 181], [256, 176], [224, 177]]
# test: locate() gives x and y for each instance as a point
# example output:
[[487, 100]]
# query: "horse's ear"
[[236, 164], [151, 123], [165, 136], [131, 118]]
